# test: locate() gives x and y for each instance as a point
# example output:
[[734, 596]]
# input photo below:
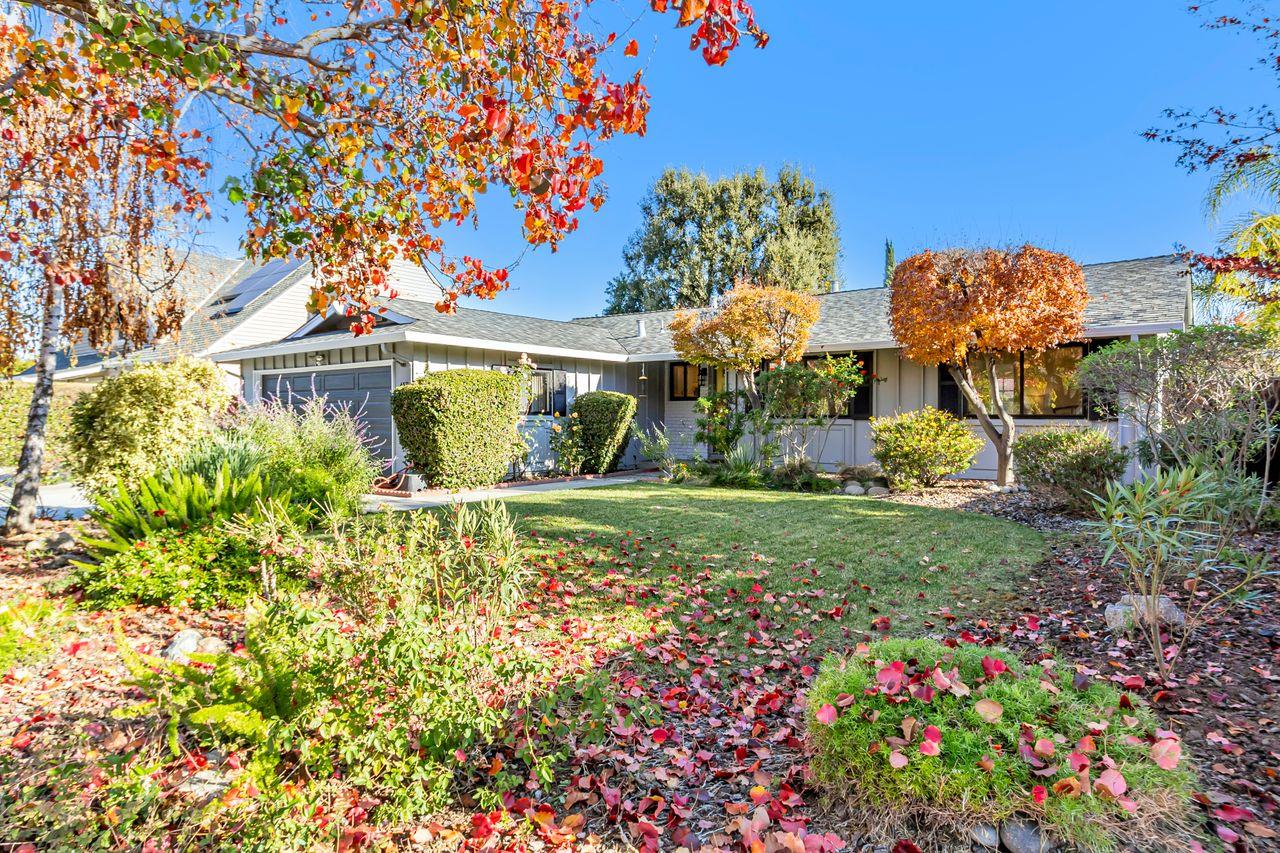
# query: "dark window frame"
[[862, 406], [671, 381], [1089, 410], [555, 400]]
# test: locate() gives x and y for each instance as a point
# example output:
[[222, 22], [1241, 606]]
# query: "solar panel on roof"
[[240, 294]]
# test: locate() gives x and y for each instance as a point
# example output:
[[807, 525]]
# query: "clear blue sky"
[[930, 124]]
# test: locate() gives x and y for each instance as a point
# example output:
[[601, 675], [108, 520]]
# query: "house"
[[633, 353], [230, 304]]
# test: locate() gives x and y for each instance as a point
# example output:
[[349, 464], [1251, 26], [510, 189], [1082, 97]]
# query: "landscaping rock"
[[1126, 613], [182, 645], [985, 835], [54, 543], [877, 491], [854, 489], [212, 646], [1020, 836], [991, 487], [205, 785]]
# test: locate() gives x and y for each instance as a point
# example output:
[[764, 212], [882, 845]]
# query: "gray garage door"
[[365, 391]]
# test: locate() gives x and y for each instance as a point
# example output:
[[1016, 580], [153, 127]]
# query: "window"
[[861, 406], [686, 380], [1032, 385], [548, 391]]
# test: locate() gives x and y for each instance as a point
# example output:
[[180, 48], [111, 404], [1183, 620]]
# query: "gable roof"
[[206, 281], [1146, 292]]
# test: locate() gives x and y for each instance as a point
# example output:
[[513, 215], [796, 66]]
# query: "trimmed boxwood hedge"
[[604, 424], [458, 427]]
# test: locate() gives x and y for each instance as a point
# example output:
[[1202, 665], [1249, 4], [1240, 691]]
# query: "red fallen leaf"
[[987, 763], [660, 736], [1165, 753], [1226, 833], [1044, 748], [930, 747], [1039, 794], [22, 741], [992, 667], [632, 48], [1232, 814], [1110, 782], [1078, 761], [905, 846], [827, 714], [897, 760], [890, 677], [1068, 787], [933, 733]]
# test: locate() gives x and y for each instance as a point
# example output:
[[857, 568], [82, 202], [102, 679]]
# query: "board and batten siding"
[[409, 361]]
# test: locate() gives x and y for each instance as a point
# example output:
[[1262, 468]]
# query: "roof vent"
[[641, 332]]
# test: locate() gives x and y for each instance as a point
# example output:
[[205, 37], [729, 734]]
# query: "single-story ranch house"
[[633, 353]]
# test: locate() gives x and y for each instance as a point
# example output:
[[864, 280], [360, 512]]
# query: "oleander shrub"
[[920, 447], [913, 729], [128, 426], [316, 452], [1072, 466], [458, 428], [604, 425], [199, 569]]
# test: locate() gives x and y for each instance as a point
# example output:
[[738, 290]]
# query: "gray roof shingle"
[[510, 328], [1122, 293]]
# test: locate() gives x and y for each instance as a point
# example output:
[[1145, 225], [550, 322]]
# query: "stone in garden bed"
[[1129, 611]]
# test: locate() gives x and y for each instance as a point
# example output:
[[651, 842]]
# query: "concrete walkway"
[[60, 500], [376, 503]]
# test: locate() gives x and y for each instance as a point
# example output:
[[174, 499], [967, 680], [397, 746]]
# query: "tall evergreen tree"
[[700, 236], [890, 264]]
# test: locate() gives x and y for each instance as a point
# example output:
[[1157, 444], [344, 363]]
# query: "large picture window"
[[1032, 385]]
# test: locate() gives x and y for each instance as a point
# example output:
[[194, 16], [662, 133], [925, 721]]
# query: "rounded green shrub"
[[604, 425], [172, 568], [914, 729], [15, 406], [129, 425], [1069, 465], [458, 428], [921, 447]]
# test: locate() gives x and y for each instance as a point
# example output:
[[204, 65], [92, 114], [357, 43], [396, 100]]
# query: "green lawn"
[[869, 558]]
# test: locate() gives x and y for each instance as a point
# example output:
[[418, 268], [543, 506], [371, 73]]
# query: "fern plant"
[[173, 499]]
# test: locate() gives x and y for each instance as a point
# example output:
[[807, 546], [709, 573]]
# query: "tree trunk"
[[26, 483], [1001, 437]]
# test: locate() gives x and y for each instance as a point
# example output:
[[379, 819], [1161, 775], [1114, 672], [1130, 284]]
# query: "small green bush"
[[722, 421], [27, 629], [315, 452], [1069, 465], [800, 475], [129, 425], [912, 728], [459, 427], [171, 568], [172, 500], [605, 419], [921, 447], [15, 405], [739, 469]]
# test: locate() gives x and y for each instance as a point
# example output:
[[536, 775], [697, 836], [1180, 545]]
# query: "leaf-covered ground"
[[709, 610]]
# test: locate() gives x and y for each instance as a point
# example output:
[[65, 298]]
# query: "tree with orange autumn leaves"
[[965, 309], [376, 123], [92, 206], [752, 325]]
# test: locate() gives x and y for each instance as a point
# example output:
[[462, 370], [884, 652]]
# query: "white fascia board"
[[511, 346], [289, 347], [1135, 329]]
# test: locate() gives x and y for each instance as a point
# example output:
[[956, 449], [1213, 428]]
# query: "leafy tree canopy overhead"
[[372, 123], [700, 236]]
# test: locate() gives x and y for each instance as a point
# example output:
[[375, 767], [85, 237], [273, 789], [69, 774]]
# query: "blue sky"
[[930, 123]]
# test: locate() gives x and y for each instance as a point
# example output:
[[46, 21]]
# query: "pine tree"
[[889, 263]]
